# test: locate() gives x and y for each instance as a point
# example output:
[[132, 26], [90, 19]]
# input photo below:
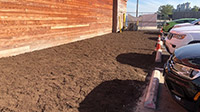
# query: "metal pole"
[[137, 8]]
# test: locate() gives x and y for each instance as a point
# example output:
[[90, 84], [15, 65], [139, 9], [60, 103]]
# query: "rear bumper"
[[181, 90]]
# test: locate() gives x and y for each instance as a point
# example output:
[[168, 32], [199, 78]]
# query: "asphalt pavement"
[[165, 103]]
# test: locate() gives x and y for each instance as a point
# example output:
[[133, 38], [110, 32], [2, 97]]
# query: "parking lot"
[[164, 103]]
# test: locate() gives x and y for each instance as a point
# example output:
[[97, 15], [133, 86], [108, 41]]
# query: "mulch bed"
[[102, 74]]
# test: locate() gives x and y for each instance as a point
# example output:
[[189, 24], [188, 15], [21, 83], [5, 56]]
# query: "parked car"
[[169, 25], [195, 22], [182, 76], [182, 36]]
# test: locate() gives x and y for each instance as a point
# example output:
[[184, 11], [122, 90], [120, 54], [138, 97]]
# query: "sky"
[[153, 5]]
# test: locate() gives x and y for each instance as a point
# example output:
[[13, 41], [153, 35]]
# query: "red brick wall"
[[28, 25]]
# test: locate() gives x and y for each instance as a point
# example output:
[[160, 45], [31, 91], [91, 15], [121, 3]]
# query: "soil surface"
[[102, 74]]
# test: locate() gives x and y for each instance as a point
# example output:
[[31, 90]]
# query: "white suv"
[[182, 36]]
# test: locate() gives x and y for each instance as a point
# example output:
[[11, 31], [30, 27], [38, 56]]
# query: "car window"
[[196, 21], [184, 21], [181, 21], [190, 21]]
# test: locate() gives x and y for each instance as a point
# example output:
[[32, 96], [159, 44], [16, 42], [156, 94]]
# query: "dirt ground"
[[103, 74]]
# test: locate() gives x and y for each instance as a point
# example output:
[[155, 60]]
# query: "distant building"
[[183, 7]]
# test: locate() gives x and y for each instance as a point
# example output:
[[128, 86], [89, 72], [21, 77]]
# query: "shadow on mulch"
[[152, 32], [153, 38], [145, 49], [165, 57], [143, 61], [113, 96], [164, 60]]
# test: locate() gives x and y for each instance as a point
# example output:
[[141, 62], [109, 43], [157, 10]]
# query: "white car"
[[196, 22], [182, 36]]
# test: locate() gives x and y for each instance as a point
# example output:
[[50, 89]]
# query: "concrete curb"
[[151, 95], [152, 91], [158, 56]]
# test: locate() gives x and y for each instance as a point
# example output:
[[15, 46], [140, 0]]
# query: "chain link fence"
[[145, 21]]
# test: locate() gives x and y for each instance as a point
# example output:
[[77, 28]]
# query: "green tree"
[[165, 10], [195, 8]]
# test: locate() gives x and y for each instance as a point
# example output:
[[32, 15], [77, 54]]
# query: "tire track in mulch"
[[103, 74]]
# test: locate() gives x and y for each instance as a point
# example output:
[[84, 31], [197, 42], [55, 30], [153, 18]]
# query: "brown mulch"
[[102, 74]]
